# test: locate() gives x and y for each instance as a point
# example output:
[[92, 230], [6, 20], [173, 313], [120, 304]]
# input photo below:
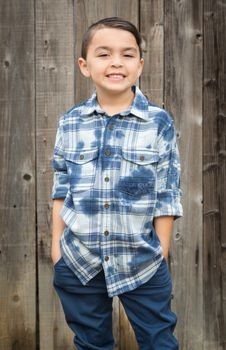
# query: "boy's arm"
[[168, 205], [168, 201], [59, 191], [163, 226], [58, 226]]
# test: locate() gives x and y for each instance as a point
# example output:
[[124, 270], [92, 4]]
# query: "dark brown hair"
[[111, 22]]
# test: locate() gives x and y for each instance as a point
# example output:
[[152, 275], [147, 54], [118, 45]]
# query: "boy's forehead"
[[107, 37]]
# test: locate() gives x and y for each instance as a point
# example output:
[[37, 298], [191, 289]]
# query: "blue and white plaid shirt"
[[116, 174]]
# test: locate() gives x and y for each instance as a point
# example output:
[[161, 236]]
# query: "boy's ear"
[[83, 67], [141, 66]]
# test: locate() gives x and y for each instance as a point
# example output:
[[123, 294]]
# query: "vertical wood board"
[[17, 177], [183, 99], [54, 95], [152, 31], [214, 175]]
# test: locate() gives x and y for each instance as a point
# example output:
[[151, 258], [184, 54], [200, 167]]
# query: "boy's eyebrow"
[[109, 48], [102, 48], [130, 49]]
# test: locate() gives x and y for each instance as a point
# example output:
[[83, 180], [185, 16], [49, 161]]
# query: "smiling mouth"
[[116, 76]]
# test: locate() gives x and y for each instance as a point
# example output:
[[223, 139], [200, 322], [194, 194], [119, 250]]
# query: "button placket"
[[108, 152]]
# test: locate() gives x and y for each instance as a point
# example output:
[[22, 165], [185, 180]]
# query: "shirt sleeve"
[[168, 175], [60, 177]]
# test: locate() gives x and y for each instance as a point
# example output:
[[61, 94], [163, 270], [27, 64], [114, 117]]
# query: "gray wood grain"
[[54, 95], [214, 175], [17, 177], [152, 31], [183, 98]]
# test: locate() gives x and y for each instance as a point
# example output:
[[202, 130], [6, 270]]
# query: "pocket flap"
[[83, 156], [141, 156]]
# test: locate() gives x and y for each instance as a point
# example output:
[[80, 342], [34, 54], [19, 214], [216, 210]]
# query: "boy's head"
[[111, 56], [111, 22]]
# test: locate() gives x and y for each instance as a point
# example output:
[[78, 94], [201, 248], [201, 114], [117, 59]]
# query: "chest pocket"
[[81, 168], [138, 172]]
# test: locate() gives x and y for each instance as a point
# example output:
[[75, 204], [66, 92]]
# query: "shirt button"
[[142, 158], [106, 179], [106, 258], [106, 205], [107, 152], [111, 127], [106, 233], [81, 156]]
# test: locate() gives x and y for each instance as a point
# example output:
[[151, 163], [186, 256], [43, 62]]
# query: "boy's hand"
[[58, 229], [163, 226], [55, 253]]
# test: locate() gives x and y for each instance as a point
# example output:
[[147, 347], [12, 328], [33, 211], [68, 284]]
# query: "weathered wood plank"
[[183, 97], [17, 177], [214, 178], [151, 28], [54, 95], [220, 30]]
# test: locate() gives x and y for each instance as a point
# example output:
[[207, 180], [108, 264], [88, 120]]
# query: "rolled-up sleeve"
[[168, 175], [60, 177]]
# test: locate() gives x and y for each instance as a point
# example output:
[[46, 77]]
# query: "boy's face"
[[113, 61]]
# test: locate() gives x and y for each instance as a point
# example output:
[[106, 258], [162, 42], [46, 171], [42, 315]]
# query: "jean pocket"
[[58, 262], [162, 277]]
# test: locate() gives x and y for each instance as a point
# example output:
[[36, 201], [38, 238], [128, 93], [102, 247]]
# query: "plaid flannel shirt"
[[116, 174]]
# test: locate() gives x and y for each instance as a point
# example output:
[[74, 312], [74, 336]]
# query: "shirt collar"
[[139, 106]]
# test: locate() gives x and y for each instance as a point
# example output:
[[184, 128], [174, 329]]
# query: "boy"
[[116, 193]]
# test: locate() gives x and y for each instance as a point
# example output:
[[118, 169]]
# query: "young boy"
[[116, 193]]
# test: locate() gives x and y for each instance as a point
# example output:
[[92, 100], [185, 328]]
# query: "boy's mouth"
[[116, 76]]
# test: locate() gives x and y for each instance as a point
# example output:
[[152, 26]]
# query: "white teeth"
[[115, 75]]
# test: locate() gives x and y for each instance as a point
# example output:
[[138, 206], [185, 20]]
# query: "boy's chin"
[[115, 89]]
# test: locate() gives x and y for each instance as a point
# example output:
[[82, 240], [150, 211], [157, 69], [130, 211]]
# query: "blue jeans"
[[88, 310]]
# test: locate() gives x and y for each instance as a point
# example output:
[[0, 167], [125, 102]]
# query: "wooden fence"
[[185, 70]]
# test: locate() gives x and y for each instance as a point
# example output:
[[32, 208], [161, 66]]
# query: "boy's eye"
[[103, 55], [127, 55]]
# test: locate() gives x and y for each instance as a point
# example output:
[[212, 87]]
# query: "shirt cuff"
[[60, 185], [169, 204]]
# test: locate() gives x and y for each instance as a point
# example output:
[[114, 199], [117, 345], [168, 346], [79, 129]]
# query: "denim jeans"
[[88, 310]]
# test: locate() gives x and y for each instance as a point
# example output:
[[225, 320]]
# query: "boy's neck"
[[114, 103]]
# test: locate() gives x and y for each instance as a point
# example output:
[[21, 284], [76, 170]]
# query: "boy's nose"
[[116, 62]]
